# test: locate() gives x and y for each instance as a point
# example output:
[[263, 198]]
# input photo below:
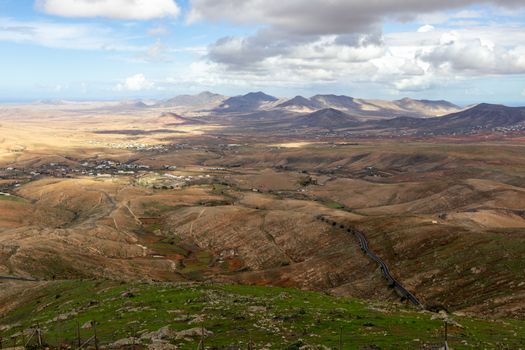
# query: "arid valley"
[[132, 193], [262, 175]]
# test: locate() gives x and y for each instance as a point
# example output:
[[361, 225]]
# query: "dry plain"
[[93, 191]]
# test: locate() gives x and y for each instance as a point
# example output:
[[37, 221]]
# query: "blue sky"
[[463, 51]]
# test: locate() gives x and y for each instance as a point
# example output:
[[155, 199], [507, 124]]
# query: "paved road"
[[363, 243]]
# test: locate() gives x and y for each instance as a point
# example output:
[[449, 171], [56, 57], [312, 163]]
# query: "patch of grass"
[[197, 264], [168, 246], [159, 206], [12, 199], [277, 318], [219, 187], [334, 205], [153, 227]]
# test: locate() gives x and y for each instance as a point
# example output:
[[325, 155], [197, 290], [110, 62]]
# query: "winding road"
[[363, 243]]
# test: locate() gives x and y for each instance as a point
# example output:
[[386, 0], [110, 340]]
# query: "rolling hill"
[[482, 117], [326, 118]]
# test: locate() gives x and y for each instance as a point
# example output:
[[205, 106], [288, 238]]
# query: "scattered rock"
[[442, 315], [127, 294], [197, 319], [193, 332], [6, 327], [257, 309], [87, 325], [158, 345], [66, 316], [176, 311], [314, 347], [475, 270], [162, 334], [123, 342]]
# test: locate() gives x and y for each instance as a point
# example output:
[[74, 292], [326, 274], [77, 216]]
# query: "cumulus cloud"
[[116, 9], [406, 61], [137, 82], [426, 28], [475, 56], [342, 40], [250, 52], [320, 17]]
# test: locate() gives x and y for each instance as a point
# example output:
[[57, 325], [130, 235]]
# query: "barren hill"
[[250, 102], [326, 118], [202, 100], [481, 118]]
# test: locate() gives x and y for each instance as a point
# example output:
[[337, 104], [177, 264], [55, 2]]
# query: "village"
[[163, 177]]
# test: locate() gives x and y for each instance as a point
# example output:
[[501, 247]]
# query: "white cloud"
[[81, 36], [158, 31], [137, 82], [409, 61], [475, 56], [426, 28], [307, 42], [523, 92], [116, 9], [156, 52], [319, 17]]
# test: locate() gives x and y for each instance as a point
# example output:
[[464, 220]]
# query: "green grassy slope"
[[273, 318]]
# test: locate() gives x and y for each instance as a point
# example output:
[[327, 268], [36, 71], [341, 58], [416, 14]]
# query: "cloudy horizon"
[[464, 51]]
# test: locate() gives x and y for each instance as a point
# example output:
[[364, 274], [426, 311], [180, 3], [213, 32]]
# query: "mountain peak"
[[260, 96]]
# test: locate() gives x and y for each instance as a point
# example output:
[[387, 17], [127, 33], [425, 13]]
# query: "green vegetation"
[[155, 208], [334, 205], [11, 198], [273, 317], [217, 187]]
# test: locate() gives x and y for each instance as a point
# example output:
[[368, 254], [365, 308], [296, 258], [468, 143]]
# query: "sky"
[[464, 51]]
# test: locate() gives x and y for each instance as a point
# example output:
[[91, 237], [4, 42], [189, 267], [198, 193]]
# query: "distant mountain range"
[[333, 113], [259, 101]]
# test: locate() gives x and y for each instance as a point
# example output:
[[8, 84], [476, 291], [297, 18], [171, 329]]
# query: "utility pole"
[[95, 334], [201, 344], [341, 338], [59, 340], [134, 335], [446, 335], [39, 334], [78, 334]]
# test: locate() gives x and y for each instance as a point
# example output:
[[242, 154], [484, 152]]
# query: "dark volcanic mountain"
[[483, 117], [328, 118], [300, 102], [486, 116], [246, 103]]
